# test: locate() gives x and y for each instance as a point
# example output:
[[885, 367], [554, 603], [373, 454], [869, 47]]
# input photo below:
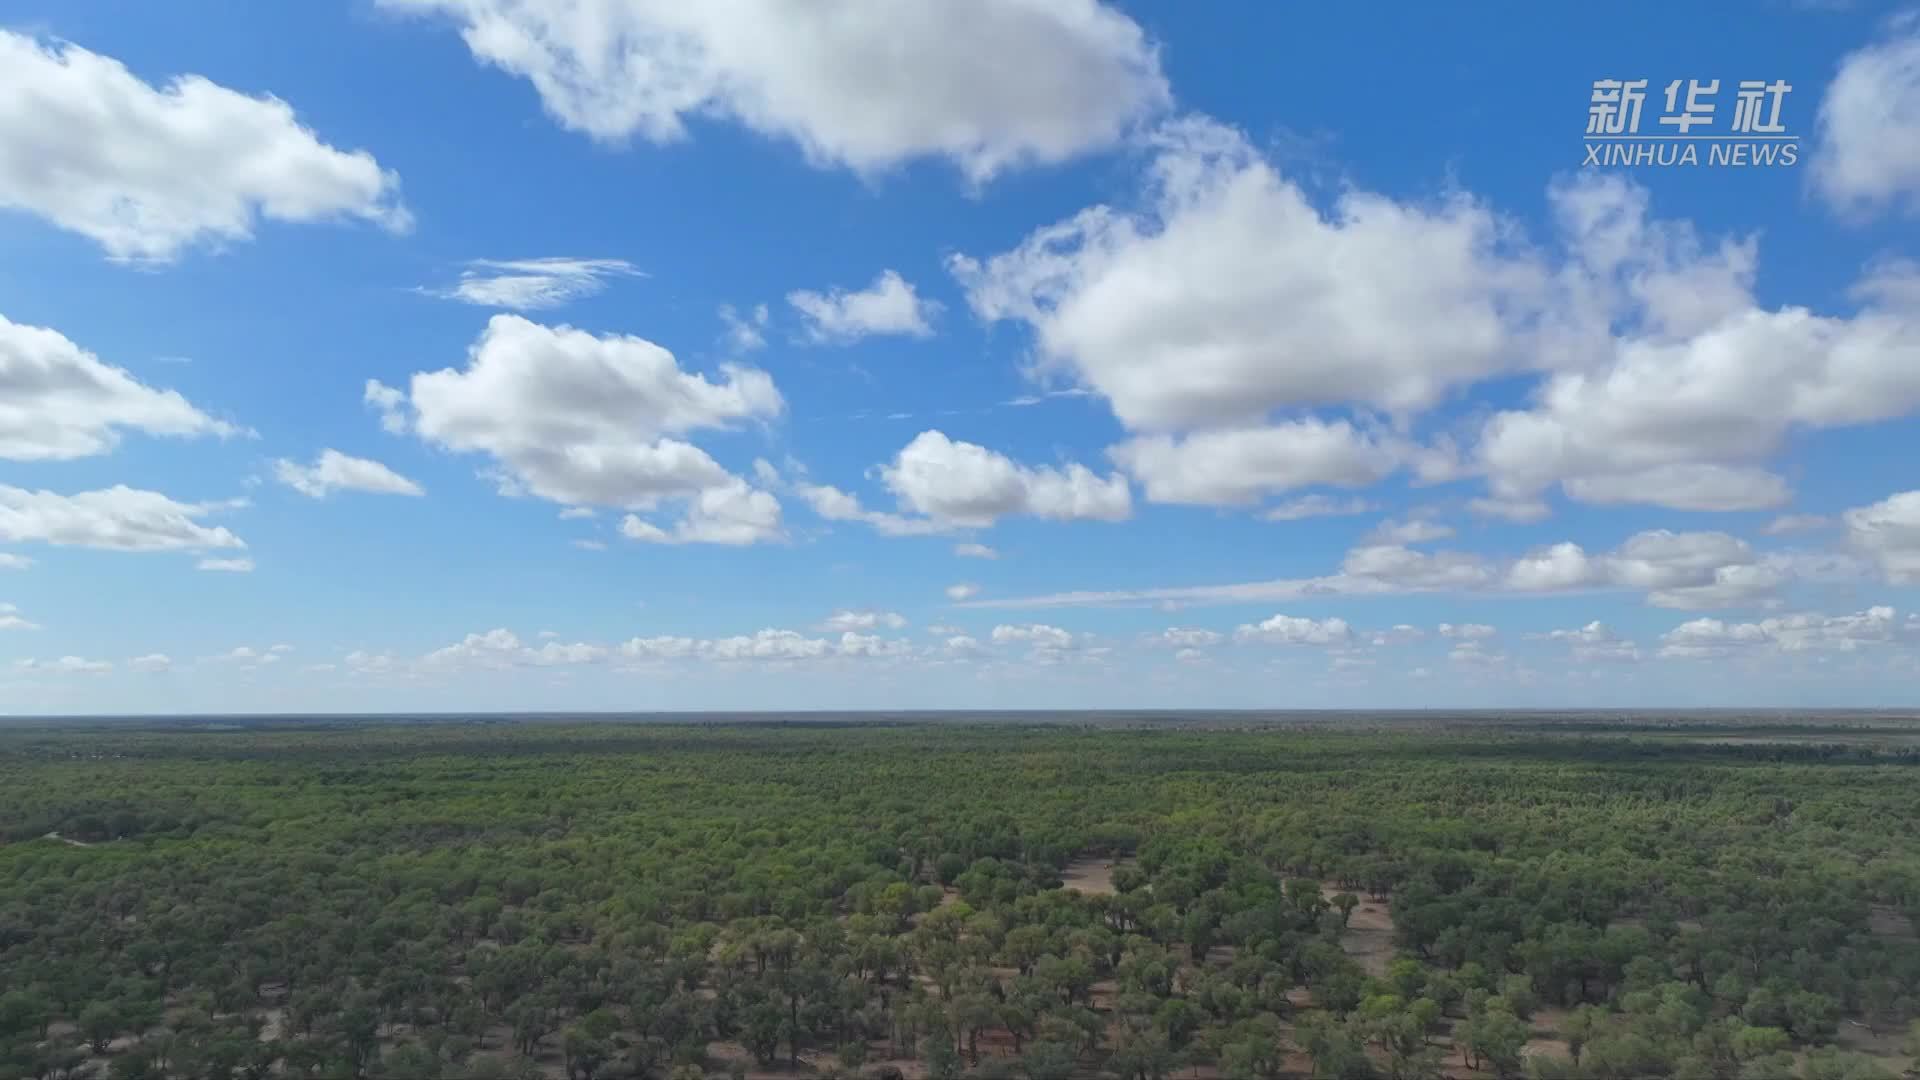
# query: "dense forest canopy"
[[614, 900]]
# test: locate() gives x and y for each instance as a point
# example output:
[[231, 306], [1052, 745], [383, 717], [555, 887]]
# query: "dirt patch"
[[1092, 876], [1368, 937]]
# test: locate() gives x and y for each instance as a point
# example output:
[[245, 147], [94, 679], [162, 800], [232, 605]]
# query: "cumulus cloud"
[[1230, 294], [1889, 532], [732, 514], [975, 551], [1867, 158], [229, 566], [1595, 642], [1045, 644], [1804, 632], [151, 663], [1517, 510], [964, 484], [499, 649], [962, 591], [1230, 302], [59, 402], [835, 505], [1793, 523], [768, 645], [1240, 465], [1317, 505], [1685, 487], [888, 306], [1293, 630], [65, 665], [745, 332], [118, 518], [1179, 637], [10, 561], [586, 420], [532, 284], [147, 172], [1703, 384], [1673, 570], [1414, 531], [1467, 631], [247, 658], [1398, 634], [390, 403], [846, 620], [987, 86], [11, 619], [334, 471]]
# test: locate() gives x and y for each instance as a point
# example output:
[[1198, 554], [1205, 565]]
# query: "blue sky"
[[441, 354]]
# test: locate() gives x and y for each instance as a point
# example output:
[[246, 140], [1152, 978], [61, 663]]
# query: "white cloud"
[[1889, 532], [1293, 630], [577, 513], [1867, 159], [1231, 295], [1046, 644], [1793, 523], [1702, 385], [1685, 487], [500, 649], [1805, 632], [964, 484], [586, 420], [987, 85], [11, 619], [888, 306], [731, 514], [361, 662], [118, 518], [962, 591], [835, 505], [745, 333], [532, 284], [1317, 505], [1239, 465], [1517, 510], [846, 620], [389, 402], [151, 663], [147, 172], [771, 645], [231, 566], [1179, 637], [962, 647], [248, 658], [334, 471], [1415, 531], [65, 665], [975, 551], [1673, 570], [590, 545], [1595, 642], [9, 561], [1467, 631], [61, 402], [1477, 654], [1398, 634]]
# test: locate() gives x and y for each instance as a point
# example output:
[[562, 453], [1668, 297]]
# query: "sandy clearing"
[[1092, 875], [1368, 937]]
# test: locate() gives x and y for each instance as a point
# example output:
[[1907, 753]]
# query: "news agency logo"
[[1755, 136]]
